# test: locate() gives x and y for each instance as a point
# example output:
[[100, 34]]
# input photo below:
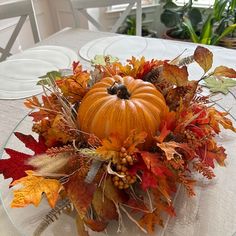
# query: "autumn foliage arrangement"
[[119, 140]]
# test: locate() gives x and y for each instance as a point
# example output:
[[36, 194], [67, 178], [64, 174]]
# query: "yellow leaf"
[[110, 147], [225, 72], [174, 74], [33, 188], [204, 58], [133, 140]]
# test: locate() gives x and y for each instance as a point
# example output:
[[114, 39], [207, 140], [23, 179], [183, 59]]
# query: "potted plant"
[[129, 27], [173, 18], [221, 22]]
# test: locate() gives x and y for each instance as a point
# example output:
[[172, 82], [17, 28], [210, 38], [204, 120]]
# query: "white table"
[[212, 212]]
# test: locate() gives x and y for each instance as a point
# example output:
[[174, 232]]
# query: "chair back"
[[22, 9], [81, 6]]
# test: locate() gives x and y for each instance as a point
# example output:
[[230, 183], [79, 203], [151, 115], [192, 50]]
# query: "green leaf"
[[52, 75], [101, 60], [192, 32], [226, 32], [219, 85], [170, 18], [206, 33], [195, 16]]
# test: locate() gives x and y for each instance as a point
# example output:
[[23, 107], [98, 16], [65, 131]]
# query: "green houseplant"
[[129, 27], [221, 22], [173, 18]]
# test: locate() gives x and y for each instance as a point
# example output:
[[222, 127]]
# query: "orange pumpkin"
[[119, 105]]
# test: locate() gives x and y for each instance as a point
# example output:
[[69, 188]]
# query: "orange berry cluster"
[[122, 169]]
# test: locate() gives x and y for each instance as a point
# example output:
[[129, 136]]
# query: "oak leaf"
[[224, 72], [175, 75], [204, 57], [169, 149], [33, 188]]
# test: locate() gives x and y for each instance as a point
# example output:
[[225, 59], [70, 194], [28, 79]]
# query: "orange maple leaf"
[[34, 187], [149, 220], [112, 145], [217, 118]]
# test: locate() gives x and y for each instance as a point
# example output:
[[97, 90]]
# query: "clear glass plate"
[[27, 219], [18, 78]]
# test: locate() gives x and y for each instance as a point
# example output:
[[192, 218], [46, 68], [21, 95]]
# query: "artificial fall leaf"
[[103, 60], [223, 71], [163, 134], [170, 152], [153, 163], [133, 140], [38, 147], [149, 180], [208, 157], [169, 149], [113, 193], [103, 206], [149, 220], [110, 147], [74, 87], [219, 85], [204, 58], [175, 75], [16, 165], [138, 68], [32, 102], [57, 132], [33, 188], [217, 118], [96, 225], [187, 183], [80, 193]]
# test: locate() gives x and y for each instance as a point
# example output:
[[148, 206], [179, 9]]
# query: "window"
[[200, 3], [121, 7]]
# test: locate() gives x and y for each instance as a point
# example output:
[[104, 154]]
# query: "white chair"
[[22, 9], [81, 6]]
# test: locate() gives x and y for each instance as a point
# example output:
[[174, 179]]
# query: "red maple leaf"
[[16, 165], [149, 180]]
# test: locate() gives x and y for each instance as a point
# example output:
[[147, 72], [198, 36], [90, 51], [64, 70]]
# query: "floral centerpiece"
[[119, 140]]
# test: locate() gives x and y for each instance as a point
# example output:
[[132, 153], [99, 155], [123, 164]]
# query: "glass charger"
[[27, 219], [18, 78], [56, 58]]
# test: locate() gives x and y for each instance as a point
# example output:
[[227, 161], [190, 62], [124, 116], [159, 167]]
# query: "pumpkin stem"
[[120, 90]]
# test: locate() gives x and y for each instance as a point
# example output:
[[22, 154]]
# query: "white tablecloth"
[[213, 211]]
